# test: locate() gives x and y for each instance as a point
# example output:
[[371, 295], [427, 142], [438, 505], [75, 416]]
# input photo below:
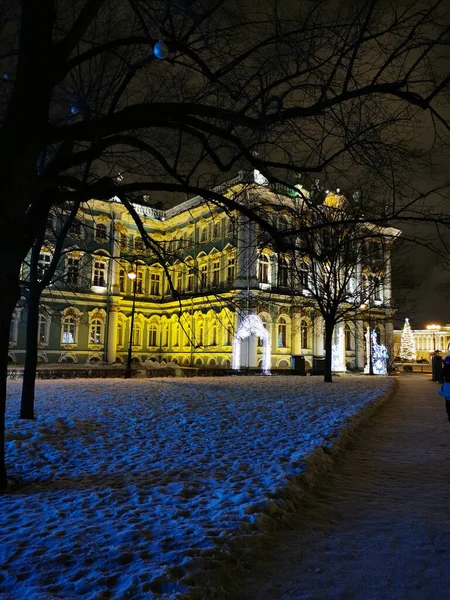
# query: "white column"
[[112, 334], [295, 334]]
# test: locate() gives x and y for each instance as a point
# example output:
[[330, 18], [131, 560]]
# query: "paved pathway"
[[379, 528]]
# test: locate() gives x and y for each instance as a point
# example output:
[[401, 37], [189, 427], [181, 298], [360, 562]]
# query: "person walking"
[[445, 380]]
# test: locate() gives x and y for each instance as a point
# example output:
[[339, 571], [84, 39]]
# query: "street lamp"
[[434, 328], [131, 275]]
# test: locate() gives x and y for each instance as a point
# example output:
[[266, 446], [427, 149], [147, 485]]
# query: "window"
[[178, 281], [165, 335], [282, 333], [176, 335], [213, 336], [204, 234], [95, 332], [229, 230], [99, 276], [263, 268], [77, 228], [200, 334], [190, 280], [304, 333], [139, 244], [43, 329], [348, 337], [139, 282], [43, 264], [203, 276], [73, 270], [123, 241], [377, 289], [122, 281], [14, 329], [119, 334], [216, 230], [216, 273], [69, 329], [228, 337], [136, 337], [260, 340], [283, 273], [100, 232], [231, 270], [152, 335], [155, 284]]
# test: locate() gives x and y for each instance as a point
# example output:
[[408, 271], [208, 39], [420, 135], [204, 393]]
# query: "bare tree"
[[38, 279], [312, 87]]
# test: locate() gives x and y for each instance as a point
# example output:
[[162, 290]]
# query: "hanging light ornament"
[[161, 50]]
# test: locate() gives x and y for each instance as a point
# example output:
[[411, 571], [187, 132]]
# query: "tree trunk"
[[29, 373], [329, 328], [10, 293]]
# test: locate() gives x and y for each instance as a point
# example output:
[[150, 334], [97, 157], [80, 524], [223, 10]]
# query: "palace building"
[[209, 269]]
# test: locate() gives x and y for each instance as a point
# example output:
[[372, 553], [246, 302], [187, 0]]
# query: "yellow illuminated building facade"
[[209, 268]]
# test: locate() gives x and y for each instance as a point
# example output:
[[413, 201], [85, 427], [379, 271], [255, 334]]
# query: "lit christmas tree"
[[407, 345]]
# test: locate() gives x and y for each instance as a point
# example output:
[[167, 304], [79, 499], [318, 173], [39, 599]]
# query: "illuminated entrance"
[[251, 325]]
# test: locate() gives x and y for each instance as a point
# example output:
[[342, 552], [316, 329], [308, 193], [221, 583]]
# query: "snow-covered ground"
[[125, 487]]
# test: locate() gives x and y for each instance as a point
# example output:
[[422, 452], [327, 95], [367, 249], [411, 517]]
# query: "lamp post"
[[434, 328], [131, 275]]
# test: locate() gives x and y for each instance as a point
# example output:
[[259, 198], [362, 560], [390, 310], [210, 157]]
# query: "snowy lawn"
[[127, 484]]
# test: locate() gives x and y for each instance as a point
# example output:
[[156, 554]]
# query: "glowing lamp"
[[131, 275]]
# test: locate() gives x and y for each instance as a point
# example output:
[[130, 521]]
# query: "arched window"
[[119, 334], [99, 273], [100, 232], [213, 336], [95, 332], [155, 284], [152, 335], [204, 234], [43, 329], [200, 334], [176, 335], [137, 331], [165, 335], [282, 333], [304, 334], [283, 273], [69, 330], [260, 340], [348, 337], [263, 268]]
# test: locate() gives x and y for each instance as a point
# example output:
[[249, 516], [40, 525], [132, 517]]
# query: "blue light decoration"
[[379, 355], [5, 76], [74, 110], [161, 50]]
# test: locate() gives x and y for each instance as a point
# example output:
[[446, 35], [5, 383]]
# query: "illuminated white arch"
[[251, 325]]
